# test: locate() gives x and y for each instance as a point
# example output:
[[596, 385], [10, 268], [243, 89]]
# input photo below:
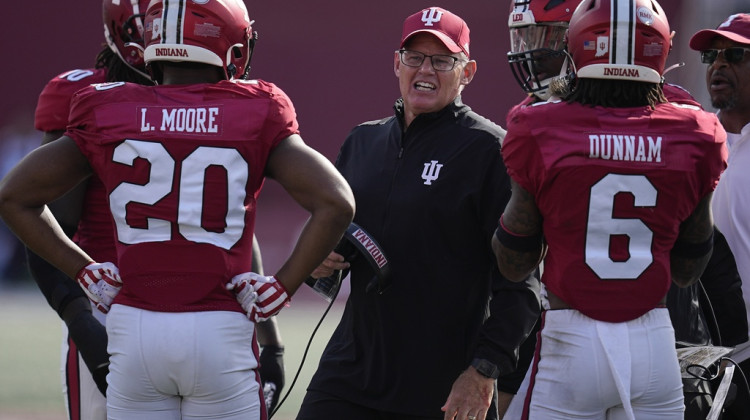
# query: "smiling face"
[[424, 89], [729, 86]]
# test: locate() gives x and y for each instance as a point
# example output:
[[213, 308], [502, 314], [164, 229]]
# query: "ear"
[[468, 72], [396, 64]]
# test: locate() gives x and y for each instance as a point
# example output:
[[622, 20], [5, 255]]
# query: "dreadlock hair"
[[616, 93], [117, 70]]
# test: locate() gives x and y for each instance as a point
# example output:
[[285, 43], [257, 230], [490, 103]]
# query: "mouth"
[[424, 87], [719, 82]]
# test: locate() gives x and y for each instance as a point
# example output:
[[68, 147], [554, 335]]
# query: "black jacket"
[[431, 197]]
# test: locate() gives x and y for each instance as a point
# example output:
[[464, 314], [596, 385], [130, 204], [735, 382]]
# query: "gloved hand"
[[272, 374], [101, 282], [260, 296]]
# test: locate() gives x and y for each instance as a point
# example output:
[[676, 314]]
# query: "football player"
[[83, 213], [642, 218], [84, 216]]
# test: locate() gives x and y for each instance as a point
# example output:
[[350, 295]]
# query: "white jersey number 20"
[[602, 225], [191, 193]]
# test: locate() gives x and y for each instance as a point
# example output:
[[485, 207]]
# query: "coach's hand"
[[470, 397], [260, 296], [333, 262], [101, 282]]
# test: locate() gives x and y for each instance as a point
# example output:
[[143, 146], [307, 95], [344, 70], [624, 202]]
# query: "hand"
[[101, 282], [260, 296], [470, 396], [272, 374], [332, 263]]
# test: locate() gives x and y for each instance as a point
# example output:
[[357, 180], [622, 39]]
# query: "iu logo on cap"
[[431, 15]]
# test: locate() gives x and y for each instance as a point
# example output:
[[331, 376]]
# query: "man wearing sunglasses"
[[726, 51], [429, 184]]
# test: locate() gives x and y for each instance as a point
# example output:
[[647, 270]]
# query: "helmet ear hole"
[[231, 70], [237, 52]]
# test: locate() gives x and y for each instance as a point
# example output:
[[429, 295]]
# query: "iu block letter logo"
[[431, 171], [431, 15]]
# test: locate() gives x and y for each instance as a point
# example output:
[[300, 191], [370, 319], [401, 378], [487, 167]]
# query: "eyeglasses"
[[733, 55], [439, 62]]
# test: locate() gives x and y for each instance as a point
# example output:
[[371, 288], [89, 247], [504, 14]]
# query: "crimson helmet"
[[123, 30], [216, 32], [619, 39], [537, 41]]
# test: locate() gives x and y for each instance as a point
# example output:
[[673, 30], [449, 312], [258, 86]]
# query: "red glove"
[[101, 282], [260, 296]]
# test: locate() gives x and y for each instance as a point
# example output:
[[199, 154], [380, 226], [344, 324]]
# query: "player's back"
[[183, 165], [94, 231], [613, 187]]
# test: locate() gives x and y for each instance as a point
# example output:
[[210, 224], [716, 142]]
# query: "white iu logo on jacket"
[[431, 171]]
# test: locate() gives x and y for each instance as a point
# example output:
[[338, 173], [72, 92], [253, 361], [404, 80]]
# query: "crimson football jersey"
[[95, 233], [183, 166], [613, 186]]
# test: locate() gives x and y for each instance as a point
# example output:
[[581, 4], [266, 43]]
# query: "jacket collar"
[[453, 107]]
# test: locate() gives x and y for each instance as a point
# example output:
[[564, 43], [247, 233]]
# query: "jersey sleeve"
[[678, 94], [281, 120], [53, 106], [82, 121], [520, 152]]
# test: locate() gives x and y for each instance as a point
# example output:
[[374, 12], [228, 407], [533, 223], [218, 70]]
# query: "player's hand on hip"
[[333, 262], [101, 282], [260, 296]]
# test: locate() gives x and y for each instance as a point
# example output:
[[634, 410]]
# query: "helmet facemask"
[[536, 56], [124, 31]]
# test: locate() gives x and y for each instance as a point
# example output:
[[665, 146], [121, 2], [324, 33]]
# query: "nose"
[[427, 65]]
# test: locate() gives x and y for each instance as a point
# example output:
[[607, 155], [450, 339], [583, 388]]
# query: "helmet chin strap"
[[559, 86], [670, 68]]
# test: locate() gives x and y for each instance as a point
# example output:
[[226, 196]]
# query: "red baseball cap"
[[450, 29], [736, 28]]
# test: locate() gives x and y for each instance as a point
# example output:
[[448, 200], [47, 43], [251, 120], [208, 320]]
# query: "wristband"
[[516, 242]]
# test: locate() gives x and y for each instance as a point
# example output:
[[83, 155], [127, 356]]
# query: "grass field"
[[30, 352]]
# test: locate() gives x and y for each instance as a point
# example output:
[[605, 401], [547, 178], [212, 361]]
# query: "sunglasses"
[[732, 55]]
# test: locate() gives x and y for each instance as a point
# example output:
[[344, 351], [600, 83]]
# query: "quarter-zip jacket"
[[431, 196]]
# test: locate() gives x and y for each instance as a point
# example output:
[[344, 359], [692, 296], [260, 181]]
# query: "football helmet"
[[537, 41], [216, 32], [123, 31], [619, 39]]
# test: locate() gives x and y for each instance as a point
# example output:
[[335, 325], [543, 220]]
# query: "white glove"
[[101, 282], [260, 296]]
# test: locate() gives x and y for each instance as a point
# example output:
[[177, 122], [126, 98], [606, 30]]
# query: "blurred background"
[[333, 58]]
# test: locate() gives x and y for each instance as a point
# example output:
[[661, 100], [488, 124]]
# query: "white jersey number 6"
[[601, 226]]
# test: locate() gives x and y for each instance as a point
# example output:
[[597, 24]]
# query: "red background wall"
[[333, 58]]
